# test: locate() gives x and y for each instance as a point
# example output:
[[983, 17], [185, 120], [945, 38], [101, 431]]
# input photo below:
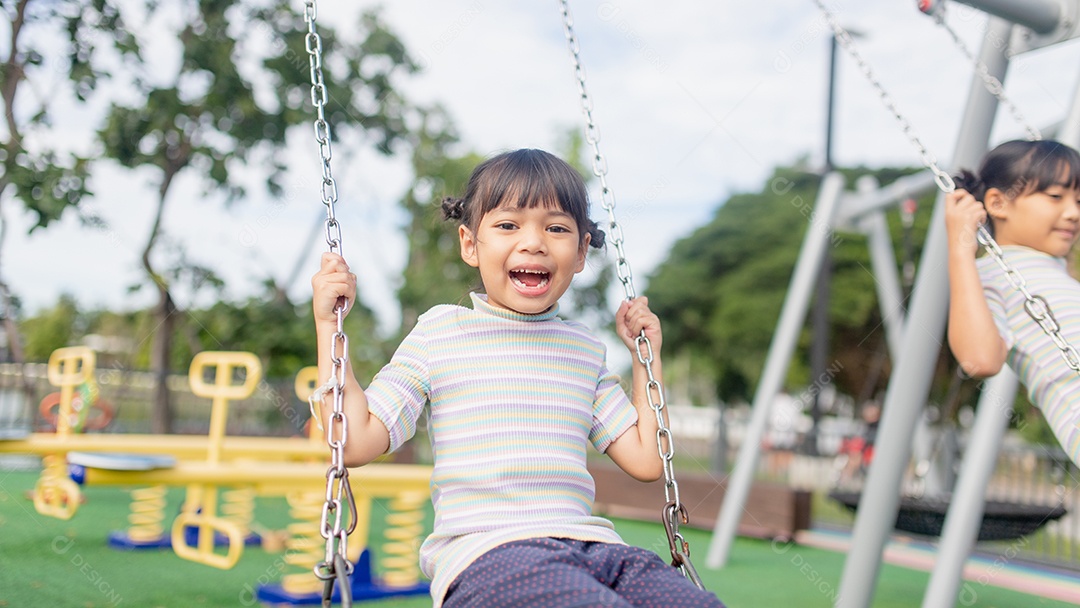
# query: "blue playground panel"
[[364, 587]]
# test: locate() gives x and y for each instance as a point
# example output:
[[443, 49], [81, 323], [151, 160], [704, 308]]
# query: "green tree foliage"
[[242, 80], [434, 273], [721, 289], [51, 329], [277, 330], [47, 180]]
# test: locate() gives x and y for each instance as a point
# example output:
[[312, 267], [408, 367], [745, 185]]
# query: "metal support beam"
[[991, 421], [965, 514], [1041, 16], [909, 186], [925, 328], [792, 317], [886, 277]]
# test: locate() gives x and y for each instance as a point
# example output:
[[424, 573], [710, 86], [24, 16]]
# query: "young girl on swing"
[[515, 395], [1029, 192]]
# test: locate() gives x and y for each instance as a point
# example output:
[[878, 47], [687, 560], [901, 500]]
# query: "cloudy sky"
[[694, 101]]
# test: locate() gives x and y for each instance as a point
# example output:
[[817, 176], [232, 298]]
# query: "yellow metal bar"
[[224, 389], [69, 367], [307, 380], [184, 447], [272, 478]]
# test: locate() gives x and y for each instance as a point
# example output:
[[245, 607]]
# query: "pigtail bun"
[[598, 236], [969, 181], [453, 208]]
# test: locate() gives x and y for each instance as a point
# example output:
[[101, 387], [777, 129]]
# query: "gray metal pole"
[[887, 279], [1042, 16], [914, 185], [966, 509], [925, 328], [792, 317], [991, 421]]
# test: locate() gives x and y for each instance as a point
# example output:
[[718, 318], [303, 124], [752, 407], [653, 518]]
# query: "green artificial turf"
[[48, 562]]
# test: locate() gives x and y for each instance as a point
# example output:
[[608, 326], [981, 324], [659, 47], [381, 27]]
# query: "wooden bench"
[[773, 510]]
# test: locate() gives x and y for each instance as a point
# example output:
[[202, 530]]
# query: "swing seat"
[[1001, 520]]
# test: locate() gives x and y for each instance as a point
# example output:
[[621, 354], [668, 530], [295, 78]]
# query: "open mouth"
[[530, 279]]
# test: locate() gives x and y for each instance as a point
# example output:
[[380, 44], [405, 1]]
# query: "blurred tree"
[[434, 273], [721, 288], [241, 80], [44, 176], [52, 328], [280, 333]]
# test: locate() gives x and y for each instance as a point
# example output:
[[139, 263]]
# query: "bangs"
[[529, 179], [1052, 164], [531, 191]]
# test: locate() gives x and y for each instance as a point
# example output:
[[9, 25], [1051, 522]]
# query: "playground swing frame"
[[901, 406]]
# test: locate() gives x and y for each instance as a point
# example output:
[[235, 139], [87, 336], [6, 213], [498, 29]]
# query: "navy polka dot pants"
[[565, 573]]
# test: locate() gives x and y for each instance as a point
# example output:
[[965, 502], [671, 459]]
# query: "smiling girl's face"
[[1046, 220], [527, 256]]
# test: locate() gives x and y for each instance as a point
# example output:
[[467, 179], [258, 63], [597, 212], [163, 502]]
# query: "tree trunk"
[[160, 349], [164, 320]]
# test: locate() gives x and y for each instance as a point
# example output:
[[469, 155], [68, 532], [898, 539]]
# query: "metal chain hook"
[[336, 565], [992, 84], [665, 442]]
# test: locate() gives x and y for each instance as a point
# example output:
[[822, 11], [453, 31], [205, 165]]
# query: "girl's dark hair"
[[1021, 167], [529, 178]]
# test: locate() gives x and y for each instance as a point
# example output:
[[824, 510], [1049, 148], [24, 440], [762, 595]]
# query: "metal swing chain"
[[336, 564], [992, 84], [1036, 307], [674, 510], [943, 179]]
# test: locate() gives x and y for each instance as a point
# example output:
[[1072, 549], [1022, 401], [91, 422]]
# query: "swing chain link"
[[991, 83], [336, 565], [674, 510], [943, 179], [1036, 306], [599, 163]]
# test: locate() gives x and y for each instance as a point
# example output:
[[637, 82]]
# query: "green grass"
[[48, 562]]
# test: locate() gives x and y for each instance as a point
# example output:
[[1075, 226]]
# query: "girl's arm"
[[973, 336], [367, 436], [635, 451]]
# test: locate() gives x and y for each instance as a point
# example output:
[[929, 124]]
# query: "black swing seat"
[[1001, 520]]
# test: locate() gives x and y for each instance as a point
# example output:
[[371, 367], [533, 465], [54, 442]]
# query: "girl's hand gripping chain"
[[367, 438], [636, 452], [973, 336], [330, 286], [963, 216], [632, 318]]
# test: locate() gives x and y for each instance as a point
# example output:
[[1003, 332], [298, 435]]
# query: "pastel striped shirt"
[[514, 400], [1051, 384]]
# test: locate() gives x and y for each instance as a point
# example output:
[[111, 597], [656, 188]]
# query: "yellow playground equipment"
[[55, 494], [405, 488], [222, 477], [200, 505]]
